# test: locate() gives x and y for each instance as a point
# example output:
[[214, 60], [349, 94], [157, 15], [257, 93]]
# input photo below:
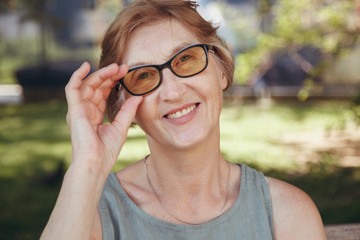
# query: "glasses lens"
[[142, 80], [189, 62]]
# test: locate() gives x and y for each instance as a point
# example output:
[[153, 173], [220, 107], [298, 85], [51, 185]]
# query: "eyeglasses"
[[144, 79]]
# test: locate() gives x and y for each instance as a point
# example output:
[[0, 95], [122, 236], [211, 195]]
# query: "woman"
[[172, 74]]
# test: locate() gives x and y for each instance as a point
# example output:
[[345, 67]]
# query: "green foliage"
[[327, 25]]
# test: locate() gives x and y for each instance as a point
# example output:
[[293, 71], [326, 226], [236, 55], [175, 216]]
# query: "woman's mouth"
[[182, 112]]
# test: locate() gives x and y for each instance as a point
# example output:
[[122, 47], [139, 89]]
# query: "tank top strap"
[[252, 177]]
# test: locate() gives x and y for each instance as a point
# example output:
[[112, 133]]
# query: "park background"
[[293, 112]]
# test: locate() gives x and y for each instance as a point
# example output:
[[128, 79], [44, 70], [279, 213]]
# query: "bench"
[[343, 231]]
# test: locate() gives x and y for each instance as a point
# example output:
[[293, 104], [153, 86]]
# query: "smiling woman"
[[185, 189]]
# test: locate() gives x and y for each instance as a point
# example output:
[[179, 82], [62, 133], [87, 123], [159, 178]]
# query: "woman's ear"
[[223, 81], [222, 77]]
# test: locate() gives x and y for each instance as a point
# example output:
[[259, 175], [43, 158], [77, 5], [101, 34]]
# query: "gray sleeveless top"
[[249, 218]]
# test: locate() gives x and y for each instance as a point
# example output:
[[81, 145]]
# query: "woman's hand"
[[95, 144], [96, 147]]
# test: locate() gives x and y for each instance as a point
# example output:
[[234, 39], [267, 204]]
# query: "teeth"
[[182, 112]]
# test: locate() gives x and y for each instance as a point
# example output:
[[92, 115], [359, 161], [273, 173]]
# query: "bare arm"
[[295, 214], [96, 147]]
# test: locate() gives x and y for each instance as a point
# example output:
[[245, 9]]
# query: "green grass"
[[35, 149], [250, 133]]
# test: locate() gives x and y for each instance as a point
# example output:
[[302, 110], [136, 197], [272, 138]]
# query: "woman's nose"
[[172, 87]]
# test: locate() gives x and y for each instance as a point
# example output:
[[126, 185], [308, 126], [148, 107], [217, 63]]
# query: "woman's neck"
[[198, 169]]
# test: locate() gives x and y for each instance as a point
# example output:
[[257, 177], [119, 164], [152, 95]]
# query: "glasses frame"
[[166, 65]]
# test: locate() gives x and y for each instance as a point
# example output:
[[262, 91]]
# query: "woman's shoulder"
[[295, 214]]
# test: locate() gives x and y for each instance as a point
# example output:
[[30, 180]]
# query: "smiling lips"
[[182, 112]]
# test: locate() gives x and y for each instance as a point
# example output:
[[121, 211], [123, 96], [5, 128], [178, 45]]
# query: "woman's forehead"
[[157, 42]]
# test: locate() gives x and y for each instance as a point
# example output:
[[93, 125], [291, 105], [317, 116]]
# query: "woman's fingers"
[[103, 79], [126, 114], [75, 82], [114, 135], [97, 87], [106, 77]]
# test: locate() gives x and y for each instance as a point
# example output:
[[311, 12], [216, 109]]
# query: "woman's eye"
[[144, 76], [184, 58]]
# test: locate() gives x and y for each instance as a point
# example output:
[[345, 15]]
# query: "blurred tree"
[[36, 10], [330, 26]]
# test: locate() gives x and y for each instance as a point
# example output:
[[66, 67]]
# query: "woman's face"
[[181, 112]]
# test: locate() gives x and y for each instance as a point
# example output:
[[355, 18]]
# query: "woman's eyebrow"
[[174, 51], [179, 47]]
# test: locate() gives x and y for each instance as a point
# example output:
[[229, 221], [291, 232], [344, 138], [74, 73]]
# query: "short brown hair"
[[148, 11]]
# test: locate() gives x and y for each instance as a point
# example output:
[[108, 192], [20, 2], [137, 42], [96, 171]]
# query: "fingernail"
[[83, 64]]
